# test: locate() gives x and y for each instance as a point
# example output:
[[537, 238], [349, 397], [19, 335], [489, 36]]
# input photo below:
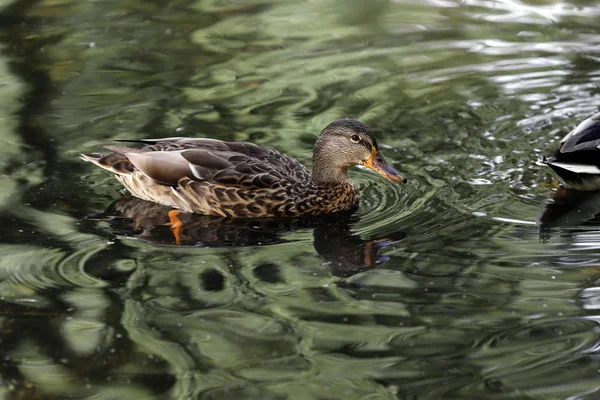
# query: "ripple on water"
[[536, 351], [384, 204], [29, 271], [463, 97]]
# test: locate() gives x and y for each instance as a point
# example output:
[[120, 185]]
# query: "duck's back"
[[213, 177]]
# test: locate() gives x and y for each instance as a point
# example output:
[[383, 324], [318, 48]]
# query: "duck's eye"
[[355, 138]]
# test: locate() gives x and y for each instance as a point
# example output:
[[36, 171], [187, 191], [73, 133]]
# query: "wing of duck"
[[242, 164], [585, 137], [579, 151]]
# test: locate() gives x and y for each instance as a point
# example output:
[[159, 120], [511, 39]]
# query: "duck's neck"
[[325, 173]]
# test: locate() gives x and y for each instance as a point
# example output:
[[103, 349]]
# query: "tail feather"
[[91, 157], [113, 162]]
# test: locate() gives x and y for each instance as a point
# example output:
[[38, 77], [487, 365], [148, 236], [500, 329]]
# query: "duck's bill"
[[378, 164]]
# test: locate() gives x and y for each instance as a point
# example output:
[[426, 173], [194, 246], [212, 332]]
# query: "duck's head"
[[343, 144]]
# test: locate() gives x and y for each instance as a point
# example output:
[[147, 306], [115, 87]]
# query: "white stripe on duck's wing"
[[576, 168], [586, 124], [210, 159], [542, 162], [204, 163]]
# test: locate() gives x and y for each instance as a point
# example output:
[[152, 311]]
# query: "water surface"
[[445, 287]]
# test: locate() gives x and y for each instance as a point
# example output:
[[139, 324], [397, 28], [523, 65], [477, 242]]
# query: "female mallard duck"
[[236, 179], [577, 160]]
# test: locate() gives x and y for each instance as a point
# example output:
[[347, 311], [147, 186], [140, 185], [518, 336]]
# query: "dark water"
[[442, 288]]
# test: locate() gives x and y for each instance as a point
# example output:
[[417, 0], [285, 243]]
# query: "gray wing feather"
[[169, 160], [162, 166]]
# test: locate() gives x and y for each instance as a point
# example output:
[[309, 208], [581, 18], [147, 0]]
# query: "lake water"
[[468, 282]]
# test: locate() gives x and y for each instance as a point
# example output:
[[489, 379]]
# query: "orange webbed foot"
[[176, 225]]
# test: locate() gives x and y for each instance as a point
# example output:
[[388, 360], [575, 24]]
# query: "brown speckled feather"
[[229, 179]]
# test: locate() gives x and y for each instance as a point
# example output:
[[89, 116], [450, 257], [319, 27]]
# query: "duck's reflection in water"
[[346, 253], [569, 209]]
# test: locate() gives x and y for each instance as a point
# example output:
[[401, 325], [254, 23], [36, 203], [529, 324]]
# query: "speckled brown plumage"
[[237, 179]]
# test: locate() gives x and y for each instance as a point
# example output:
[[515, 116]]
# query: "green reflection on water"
[[462, 97]]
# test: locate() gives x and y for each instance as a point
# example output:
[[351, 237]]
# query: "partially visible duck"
[[238, 179], [577, 160]]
